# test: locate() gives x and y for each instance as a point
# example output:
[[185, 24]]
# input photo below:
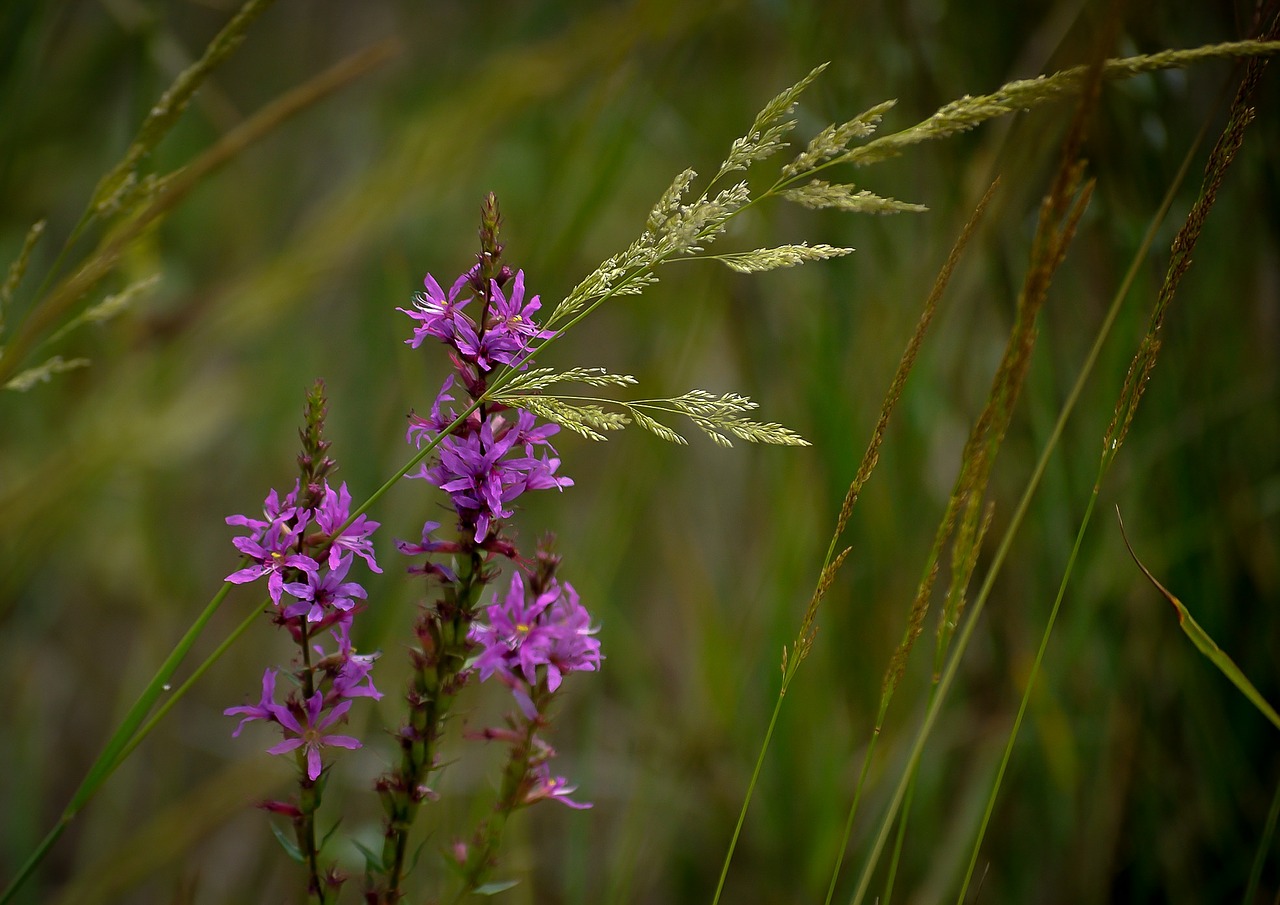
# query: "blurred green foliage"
[[1141, 776]]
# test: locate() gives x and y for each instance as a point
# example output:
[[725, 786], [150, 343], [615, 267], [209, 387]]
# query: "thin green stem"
[[1264, 844], [111, 755], [751, 786], [1077, 389]]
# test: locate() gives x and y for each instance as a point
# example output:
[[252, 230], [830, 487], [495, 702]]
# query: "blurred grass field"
[[1142, 775]]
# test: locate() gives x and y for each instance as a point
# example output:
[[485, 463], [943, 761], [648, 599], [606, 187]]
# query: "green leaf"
[[1206, 645], [290, 847], [372, 860], [497, 886]]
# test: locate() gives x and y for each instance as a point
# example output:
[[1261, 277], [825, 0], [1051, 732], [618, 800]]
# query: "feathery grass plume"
[[178, 185], [793, 656], [585, 419], [674, 228], [1223, 153], [791, 659], [540, 378], [762, 259], [764, 138], [1060, 213], [17, 270], [118, 188], [819, 194], [43, 373], [1135, 381], [1220, 158], [870, 458], [964, 113], [834, 140], [719, 417]]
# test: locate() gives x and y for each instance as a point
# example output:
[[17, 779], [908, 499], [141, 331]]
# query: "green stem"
[[124, 739]]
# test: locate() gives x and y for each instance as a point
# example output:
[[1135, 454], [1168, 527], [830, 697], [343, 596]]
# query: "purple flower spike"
[[311, 738], [265, 709]]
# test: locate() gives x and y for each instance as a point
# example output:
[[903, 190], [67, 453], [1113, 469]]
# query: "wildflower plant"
[[493, 608]]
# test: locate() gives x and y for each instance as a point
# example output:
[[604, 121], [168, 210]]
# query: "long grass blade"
[[1205, 644]]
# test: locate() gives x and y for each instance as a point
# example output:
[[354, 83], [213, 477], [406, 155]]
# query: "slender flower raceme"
[[484, 463], [305, 548]]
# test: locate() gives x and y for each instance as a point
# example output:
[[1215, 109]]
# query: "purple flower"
[[511, 640], [273, 509], [552, 630], [470, 470], [424, 430], [265, 709], [555, 788], [514, 317], [568, 642], [436, 313], [311, 737], [271, 556], [351, 678], [321, 592], [333, 512], [430, 546], [485, 349]]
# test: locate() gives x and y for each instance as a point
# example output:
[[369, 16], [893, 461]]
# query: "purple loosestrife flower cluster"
[[532, 640], [306, 579], [485, 456], [488, 461]]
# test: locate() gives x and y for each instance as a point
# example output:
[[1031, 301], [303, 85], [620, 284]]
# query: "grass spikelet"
[[1220, 159], [834, 140], [585, 419], [668, 205], [115, 189], [657, 428], [964, 113], [1060, 212], [870, 458], [819, 194], [109, 307], [18, 269], [43, 373], [809, 623], [764, 138], [541, 378], [762, 259], [872, 455]]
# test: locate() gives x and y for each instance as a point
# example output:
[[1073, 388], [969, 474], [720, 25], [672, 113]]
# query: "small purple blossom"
[[311, 737], [436, 313], [551, 630], [333, 512], [323, 593], [430, 546], [271, 554], [265, 709], [514, 317], [555, 788], [348, 671]]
